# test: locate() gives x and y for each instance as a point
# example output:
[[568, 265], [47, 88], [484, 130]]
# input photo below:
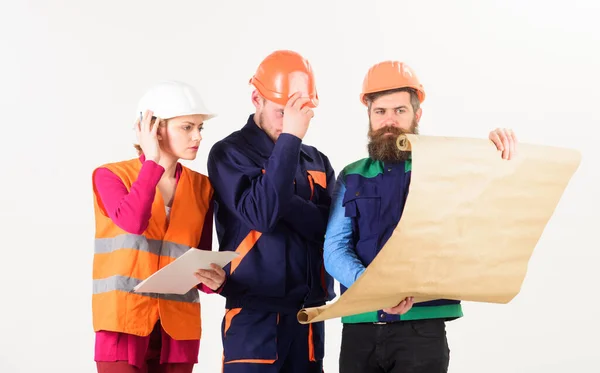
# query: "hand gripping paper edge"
[[178, 276]]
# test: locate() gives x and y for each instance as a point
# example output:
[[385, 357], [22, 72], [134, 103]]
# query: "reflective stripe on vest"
[[127, 284], [136, 242]]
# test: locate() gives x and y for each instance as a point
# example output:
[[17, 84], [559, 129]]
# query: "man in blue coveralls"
[[272, 198], [368, 200]]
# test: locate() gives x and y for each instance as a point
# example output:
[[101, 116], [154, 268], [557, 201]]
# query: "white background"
[[72, 71]]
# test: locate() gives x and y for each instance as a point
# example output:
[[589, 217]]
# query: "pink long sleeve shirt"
[[130, 210]]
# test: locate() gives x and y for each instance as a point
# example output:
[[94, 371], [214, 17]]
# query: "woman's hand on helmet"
[[147, 136]]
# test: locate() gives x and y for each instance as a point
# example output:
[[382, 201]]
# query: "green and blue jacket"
[[367, 204]]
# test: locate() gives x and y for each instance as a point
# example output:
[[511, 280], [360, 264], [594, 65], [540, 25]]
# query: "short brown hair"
[[414, 97]]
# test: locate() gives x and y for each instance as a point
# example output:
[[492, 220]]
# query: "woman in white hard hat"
[[149, 210]]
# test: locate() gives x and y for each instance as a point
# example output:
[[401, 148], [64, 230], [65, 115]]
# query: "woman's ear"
[[161, 129]]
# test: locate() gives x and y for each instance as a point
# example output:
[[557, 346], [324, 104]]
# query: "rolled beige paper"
[[469, 226], [307, 314], [402, 143]]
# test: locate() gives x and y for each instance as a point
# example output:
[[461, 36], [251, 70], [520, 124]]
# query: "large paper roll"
[[469, 226]]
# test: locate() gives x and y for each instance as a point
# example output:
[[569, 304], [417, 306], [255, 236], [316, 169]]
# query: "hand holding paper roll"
[[403, 307], [505, 140]]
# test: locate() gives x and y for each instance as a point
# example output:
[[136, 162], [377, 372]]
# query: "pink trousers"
[[151, 363]]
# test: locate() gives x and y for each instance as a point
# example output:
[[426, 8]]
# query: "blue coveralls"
[[271, 205]]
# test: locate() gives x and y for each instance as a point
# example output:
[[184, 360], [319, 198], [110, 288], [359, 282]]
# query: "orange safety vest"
[[122, 260]]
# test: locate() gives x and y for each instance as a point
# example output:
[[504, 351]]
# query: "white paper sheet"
[[178, 277]]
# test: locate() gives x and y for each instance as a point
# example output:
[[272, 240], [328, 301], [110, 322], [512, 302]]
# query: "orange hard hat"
[[283, 73], [390, 75]]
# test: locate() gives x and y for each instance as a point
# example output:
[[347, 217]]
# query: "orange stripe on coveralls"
[[311, 346], [251, 361], [244, 248], [230, 314], [319, 177]]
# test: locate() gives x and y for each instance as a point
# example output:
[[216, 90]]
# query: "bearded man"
[[367, 204]]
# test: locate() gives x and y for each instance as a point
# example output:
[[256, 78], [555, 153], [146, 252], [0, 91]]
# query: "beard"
[[260, 121], [382, 145]]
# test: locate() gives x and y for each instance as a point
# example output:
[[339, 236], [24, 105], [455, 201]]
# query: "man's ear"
[[418, 115], [257, 99]]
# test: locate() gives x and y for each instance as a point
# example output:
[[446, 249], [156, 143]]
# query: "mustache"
[[382, 132]]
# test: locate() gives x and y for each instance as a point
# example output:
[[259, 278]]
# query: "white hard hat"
[[172, 99]]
